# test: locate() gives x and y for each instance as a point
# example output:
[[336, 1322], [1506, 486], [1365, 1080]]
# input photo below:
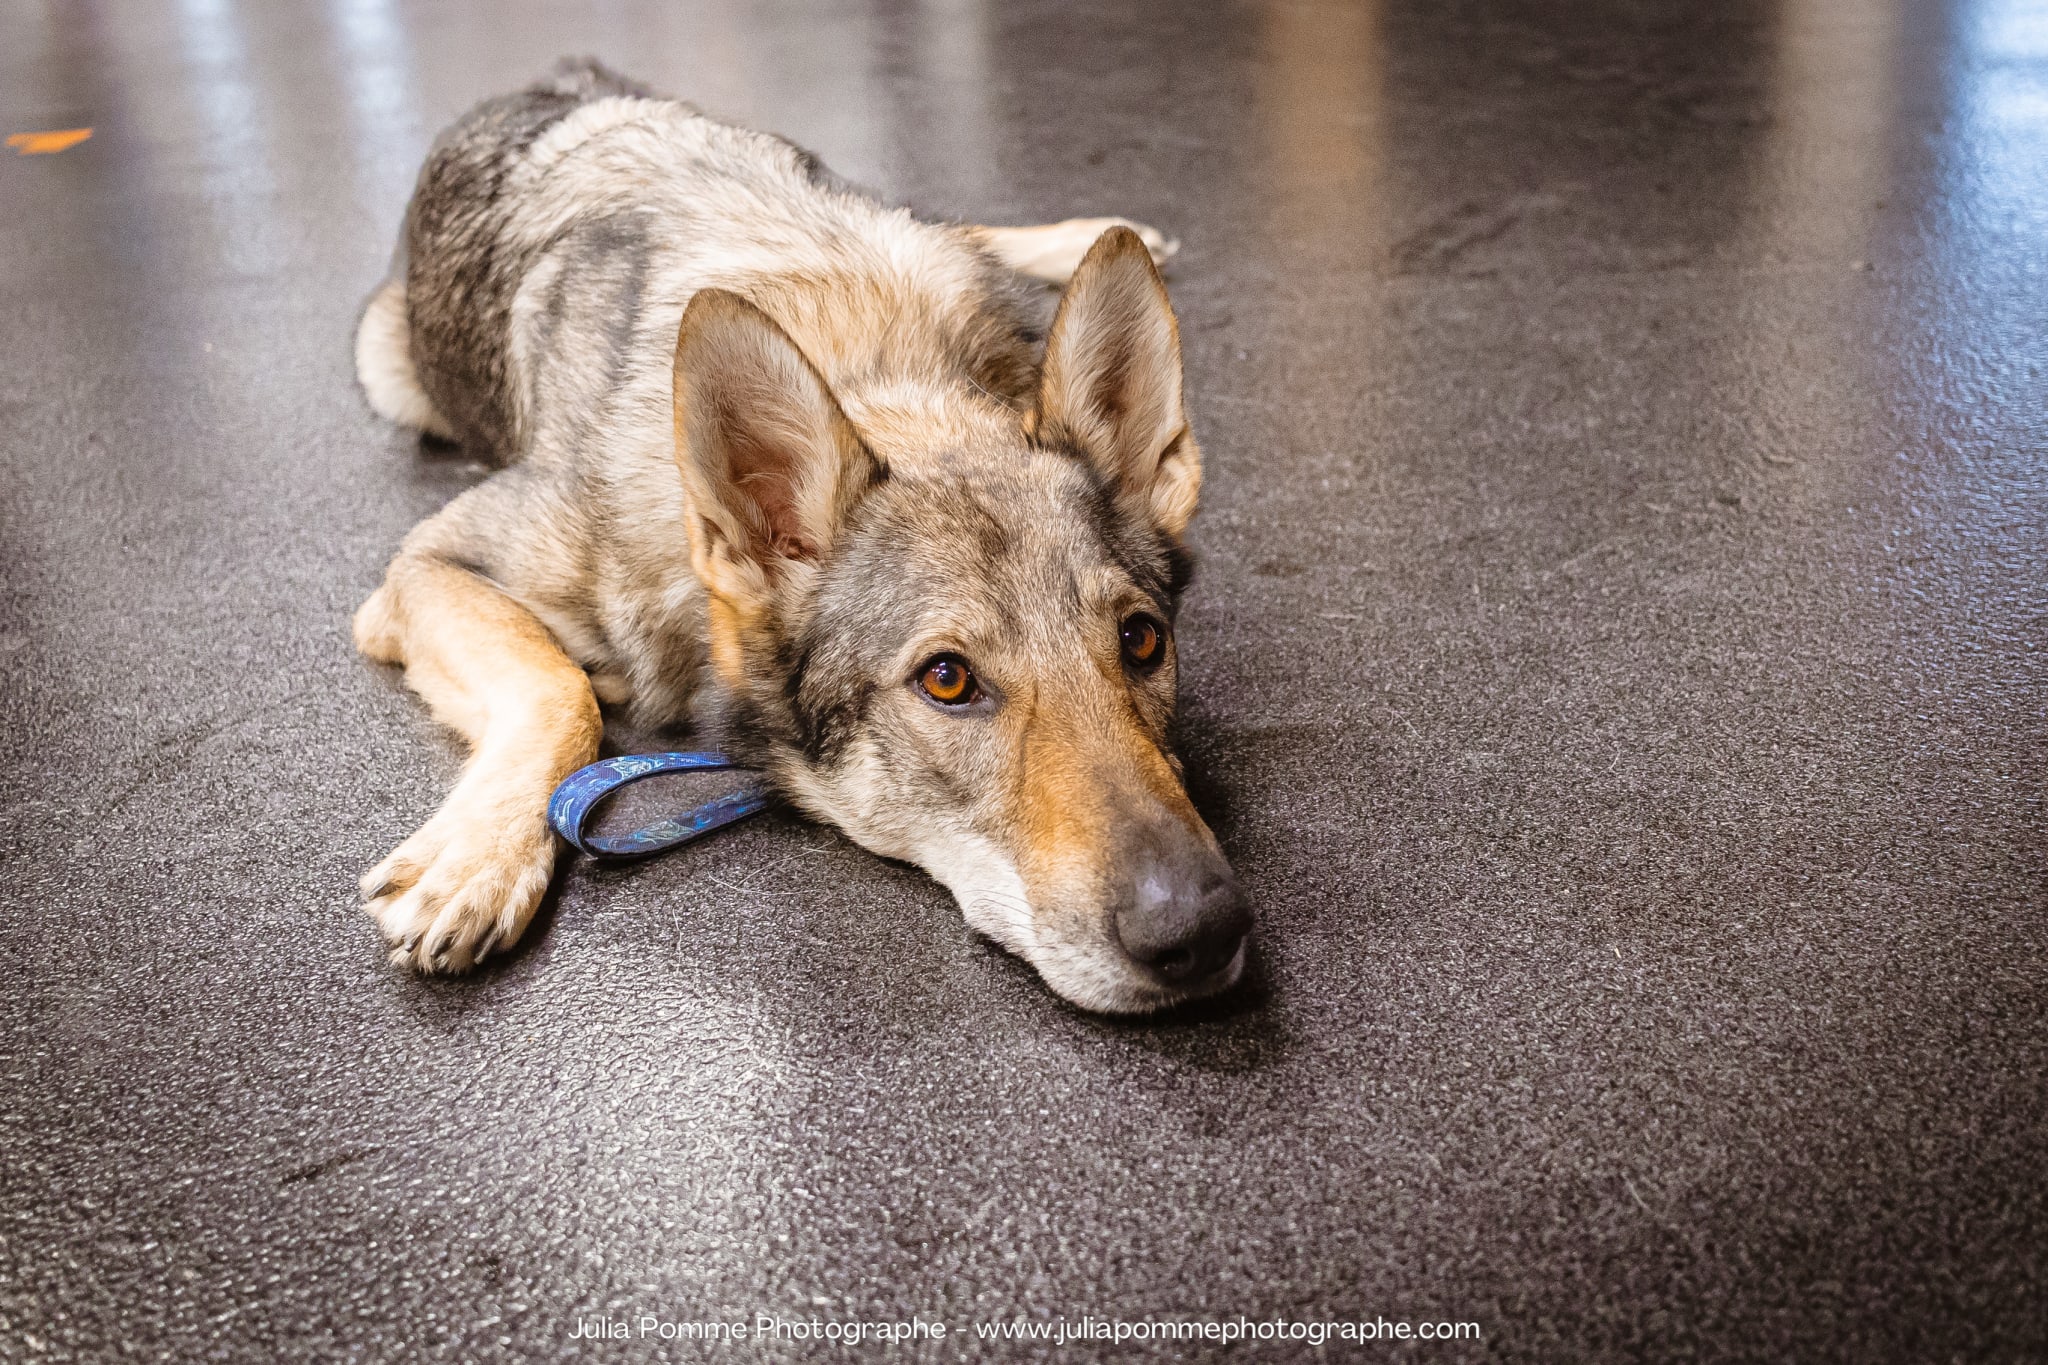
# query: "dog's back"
[[431, 349], [465, 255], [556, 234]]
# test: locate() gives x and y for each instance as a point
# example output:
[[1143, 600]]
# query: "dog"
[[765, 440]]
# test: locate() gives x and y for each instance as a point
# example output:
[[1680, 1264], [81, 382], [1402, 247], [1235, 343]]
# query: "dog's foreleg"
[[467, 883], [1053, 252]]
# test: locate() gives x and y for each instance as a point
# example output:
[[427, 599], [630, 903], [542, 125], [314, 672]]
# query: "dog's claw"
[[382, 889]]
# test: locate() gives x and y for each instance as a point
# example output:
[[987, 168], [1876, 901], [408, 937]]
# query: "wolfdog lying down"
[[765, 436]]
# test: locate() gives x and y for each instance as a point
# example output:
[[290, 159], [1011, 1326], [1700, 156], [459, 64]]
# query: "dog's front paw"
[[1078, 234], [1158, 243], [1054, 251], [462, 888]]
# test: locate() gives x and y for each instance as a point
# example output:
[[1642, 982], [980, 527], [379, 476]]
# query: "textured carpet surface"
[[1616, 671]]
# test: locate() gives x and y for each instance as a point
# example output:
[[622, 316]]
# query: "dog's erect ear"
[[770, 464], [1111, 385]]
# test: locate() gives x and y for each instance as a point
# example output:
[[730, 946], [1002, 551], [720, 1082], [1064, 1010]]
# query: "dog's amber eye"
[[1144, 642], [948, 680]]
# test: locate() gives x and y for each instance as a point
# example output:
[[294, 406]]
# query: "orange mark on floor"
[[40, 144]]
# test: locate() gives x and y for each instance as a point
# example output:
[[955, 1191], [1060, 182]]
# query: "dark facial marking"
[[819, 682]]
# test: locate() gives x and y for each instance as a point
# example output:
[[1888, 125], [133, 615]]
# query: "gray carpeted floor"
[[1616, 670]]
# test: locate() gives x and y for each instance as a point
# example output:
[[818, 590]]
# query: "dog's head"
[[968, 660]]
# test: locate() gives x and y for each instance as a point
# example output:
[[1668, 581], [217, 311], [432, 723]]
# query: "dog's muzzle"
[[1182, 918]]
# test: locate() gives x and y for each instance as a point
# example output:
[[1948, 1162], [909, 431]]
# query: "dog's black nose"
[[1183, 926]]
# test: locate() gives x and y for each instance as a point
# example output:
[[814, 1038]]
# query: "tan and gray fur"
[[766, 441]]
